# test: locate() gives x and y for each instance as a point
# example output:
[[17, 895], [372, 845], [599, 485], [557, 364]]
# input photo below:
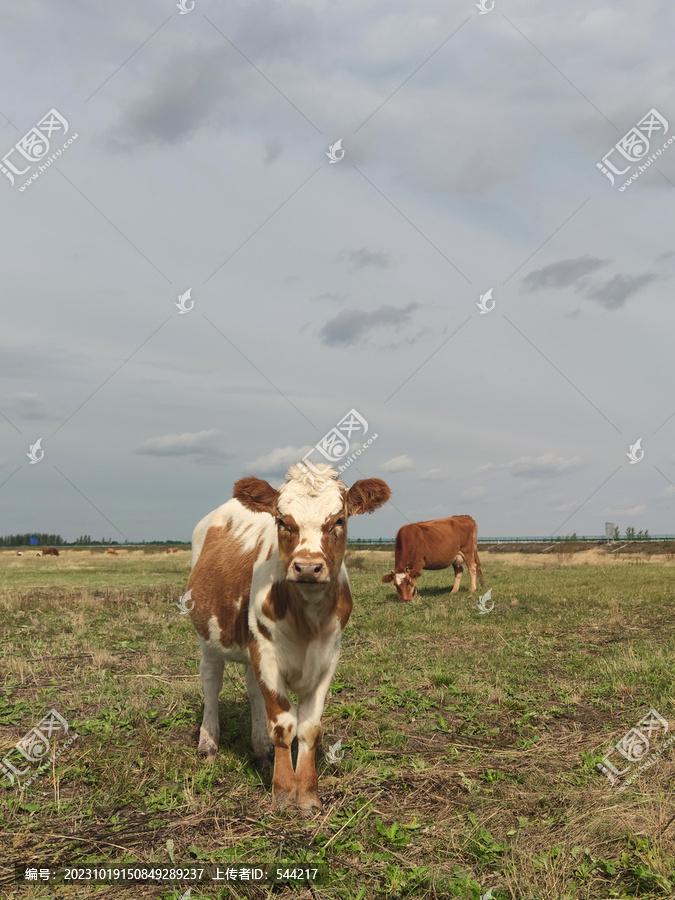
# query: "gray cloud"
[[331, 297], [565, 273], [363, 257], [545, 466], [352, 325], [614, 293], [186, 95], [204, 445], [273, 150], [28, 405]]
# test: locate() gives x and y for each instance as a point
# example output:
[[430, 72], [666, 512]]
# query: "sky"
[[168, 150]]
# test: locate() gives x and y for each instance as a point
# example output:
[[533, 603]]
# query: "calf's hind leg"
[[211, 673], [263, 748]]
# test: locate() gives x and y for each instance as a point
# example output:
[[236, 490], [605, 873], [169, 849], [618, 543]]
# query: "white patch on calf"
[[288, 721], [399, 578], [245, 526]]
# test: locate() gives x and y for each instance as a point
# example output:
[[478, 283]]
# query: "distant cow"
[[435, 545], [19, 553], [269, 589], [111, 550], [49, 551], [172, 550]]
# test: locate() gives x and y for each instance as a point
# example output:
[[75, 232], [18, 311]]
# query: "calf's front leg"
[[281, 722], [310, 711]]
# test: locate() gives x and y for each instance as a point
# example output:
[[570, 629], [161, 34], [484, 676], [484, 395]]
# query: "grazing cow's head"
[[405, 582], [311, 513]]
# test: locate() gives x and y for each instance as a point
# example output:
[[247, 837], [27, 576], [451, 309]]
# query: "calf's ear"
[[256, 495], [388, 577], [367, 495]]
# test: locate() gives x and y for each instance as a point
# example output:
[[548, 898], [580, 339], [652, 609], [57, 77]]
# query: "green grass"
[[470, 740]]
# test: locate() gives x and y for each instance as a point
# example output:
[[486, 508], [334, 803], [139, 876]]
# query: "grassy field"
[[470, 740]]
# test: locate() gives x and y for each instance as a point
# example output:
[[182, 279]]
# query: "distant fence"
[[538, 540]]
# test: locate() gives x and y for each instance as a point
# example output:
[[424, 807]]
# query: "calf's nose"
[[308, 569]]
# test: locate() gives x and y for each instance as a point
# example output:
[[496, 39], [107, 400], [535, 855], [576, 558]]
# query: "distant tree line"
[[18, 540], [55, 540], [51, 540]]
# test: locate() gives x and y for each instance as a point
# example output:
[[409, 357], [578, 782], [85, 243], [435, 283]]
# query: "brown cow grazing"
[[50, 551], [434, 545], [269, 589], [112, 551], [171, 550]]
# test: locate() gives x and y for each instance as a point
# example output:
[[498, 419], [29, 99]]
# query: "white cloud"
[[473, 493], [397, 464], [639, 510], [432, 475], [278, 460]]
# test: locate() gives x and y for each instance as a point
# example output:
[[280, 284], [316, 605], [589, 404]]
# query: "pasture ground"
[[470, 740]]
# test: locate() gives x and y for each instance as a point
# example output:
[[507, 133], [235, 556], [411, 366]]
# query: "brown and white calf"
[[270, 590], [436, 544]]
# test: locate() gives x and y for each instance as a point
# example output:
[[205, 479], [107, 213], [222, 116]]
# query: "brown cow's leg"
[[458, 577], [472, 574]]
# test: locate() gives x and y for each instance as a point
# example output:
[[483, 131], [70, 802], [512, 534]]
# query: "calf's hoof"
[[263, 753], [309, 803], [207, 748], [283, 799]]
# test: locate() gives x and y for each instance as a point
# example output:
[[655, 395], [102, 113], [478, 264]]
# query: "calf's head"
[[404, 582], [311, 512]]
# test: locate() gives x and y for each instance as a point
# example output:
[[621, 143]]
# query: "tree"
[[616, 533], [630, 533]]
